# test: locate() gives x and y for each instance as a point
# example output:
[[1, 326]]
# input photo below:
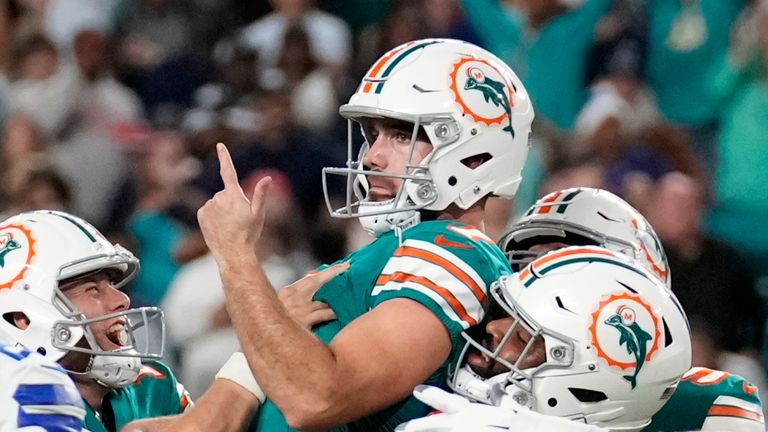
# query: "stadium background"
[[110, 109]]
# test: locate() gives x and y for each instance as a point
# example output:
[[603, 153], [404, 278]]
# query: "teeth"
[[118, 333]]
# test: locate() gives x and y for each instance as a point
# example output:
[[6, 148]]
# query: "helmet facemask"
[[136, 334], [519, 379], [415, 192]]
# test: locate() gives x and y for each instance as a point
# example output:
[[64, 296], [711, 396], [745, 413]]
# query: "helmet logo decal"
[[7, 244], [15, 238], [482, 92], [638, 333]]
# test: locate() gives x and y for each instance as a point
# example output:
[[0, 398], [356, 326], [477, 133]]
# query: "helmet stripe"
[[567, 199], [78, 225], [551, 198], [400, 58]]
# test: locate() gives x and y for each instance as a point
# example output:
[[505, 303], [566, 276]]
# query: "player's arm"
[[225, 407], [373, 362]]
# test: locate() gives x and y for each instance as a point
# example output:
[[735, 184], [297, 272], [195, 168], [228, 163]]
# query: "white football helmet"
[[40, 249], [586, 216], [613, 342], [469, 103]]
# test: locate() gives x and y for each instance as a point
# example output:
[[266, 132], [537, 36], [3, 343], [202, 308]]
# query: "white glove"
[[236, 369], [461, 415]]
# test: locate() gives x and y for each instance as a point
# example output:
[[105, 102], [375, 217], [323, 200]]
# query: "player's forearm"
[[206, 415], [295, 369]]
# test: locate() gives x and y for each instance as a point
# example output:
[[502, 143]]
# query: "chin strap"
[[405, 224]]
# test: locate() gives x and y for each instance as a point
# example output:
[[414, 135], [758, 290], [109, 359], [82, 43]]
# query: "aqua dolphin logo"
[[630, 334], [492, 91], [7, 244]]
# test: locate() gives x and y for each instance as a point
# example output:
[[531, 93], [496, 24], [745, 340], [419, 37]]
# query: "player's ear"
[[18, 319]]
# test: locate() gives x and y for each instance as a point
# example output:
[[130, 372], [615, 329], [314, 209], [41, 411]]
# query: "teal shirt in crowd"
[[552, 63], [679, 77]]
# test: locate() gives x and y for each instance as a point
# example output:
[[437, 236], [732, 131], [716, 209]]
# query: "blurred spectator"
[[711, 279], [405, 22], [283, 146], [151, 207], [64, 19], [196, 290], [78, 108], [33, 184], [157, 56], [315, 105], [741, 183], [44, 87], [446, 19], [545, 42], [618, 148], [329, 37], [685, 38]]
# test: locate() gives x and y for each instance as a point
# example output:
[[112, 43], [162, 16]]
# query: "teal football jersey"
[[155, 393], [444, 265], [710, 400]]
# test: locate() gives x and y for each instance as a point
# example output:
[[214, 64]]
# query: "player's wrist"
[[236, 369]]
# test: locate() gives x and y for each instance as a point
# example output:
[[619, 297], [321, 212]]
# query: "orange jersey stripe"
[[546, 209], [553, 256], [442, 292], [450, 267], [732, 411]]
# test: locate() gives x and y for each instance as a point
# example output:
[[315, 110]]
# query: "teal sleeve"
[[497, 30]]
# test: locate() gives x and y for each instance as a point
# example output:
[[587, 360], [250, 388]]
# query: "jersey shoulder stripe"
[[450, 262], [439, 274], [398, 280]]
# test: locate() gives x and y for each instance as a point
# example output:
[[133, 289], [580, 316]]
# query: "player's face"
[[390, 142], [510, 351], [95, 295]]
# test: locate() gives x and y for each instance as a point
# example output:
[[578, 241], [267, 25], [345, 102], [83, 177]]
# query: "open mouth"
[[117, 334], [484, 365]]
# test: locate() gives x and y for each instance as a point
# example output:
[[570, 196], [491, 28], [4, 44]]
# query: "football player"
[[705, 399], [36, 393], [583, 334], [60, 296], [445, 125]]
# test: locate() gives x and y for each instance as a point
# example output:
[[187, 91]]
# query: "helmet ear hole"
[[452, 181], [17, 319], [475, 161]]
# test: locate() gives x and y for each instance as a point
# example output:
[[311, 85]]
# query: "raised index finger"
[[226, 167]]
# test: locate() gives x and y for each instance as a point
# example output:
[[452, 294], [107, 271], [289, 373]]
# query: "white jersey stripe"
[[447, 309], [437, 275]]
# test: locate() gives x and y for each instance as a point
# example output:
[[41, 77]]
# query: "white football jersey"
[[36, 394]]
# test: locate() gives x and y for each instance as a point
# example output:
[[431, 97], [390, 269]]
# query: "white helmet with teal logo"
[[39, 250], [611, 342], [469, 104], [586, 216]]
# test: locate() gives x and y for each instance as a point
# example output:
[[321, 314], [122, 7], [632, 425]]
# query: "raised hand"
[[231, 223]]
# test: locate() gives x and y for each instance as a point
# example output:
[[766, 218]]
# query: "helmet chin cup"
[[114, 371], [377, 222]]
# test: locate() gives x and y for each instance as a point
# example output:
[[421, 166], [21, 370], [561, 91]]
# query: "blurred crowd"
[[111, 109]]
